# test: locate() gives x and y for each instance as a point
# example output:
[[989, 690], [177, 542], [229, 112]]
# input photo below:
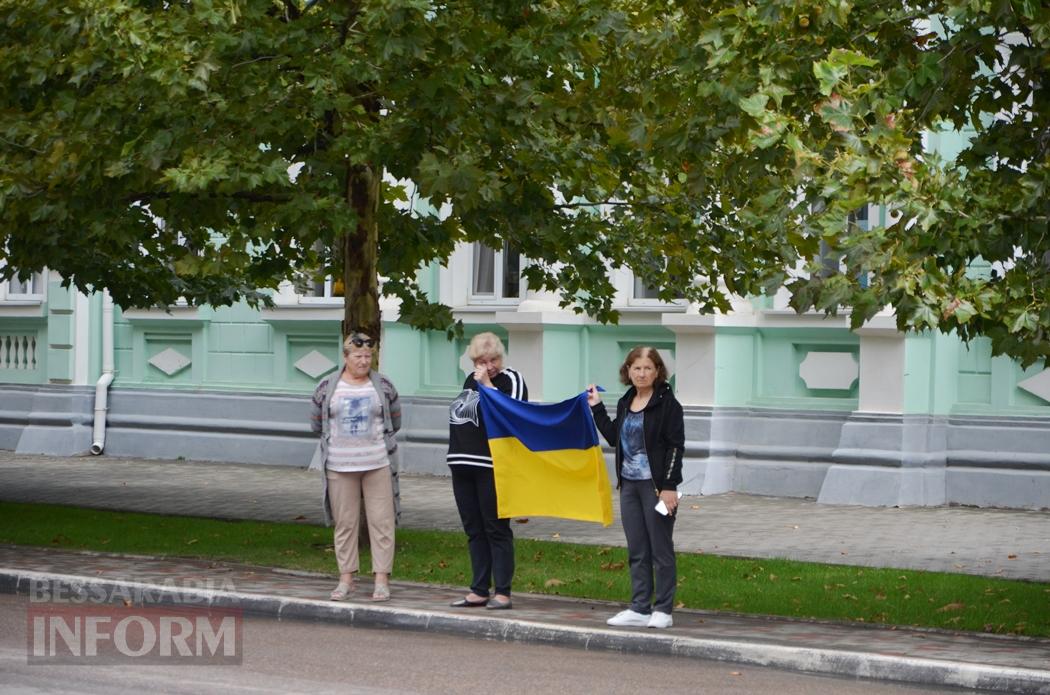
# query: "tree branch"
[[253, 60], [239, 195], [21, 146]]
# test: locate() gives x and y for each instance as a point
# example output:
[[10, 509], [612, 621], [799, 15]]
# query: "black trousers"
[[650, 548], [489, 538]]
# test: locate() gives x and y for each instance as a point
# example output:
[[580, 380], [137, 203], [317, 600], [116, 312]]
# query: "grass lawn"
[[774, 587]]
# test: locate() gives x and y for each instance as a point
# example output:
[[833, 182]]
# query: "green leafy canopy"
[[210, 149]]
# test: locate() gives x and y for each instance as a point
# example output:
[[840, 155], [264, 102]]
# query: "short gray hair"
[[485, 344]]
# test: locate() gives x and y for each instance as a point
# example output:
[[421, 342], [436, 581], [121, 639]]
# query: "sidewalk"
[[951, 539], [1011, 544]]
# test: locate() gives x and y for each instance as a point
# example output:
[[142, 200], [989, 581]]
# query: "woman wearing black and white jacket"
[[489, 538], [648, 434]]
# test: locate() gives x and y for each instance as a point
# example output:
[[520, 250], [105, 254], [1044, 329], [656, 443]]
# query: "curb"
[[855, 664]]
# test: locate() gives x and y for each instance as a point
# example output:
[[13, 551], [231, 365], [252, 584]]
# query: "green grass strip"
[[771, 587]]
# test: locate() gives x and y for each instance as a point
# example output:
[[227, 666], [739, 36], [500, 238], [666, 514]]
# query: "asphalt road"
[[299, 657]]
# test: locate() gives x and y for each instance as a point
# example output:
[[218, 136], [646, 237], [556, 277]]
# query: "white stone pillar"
[[694, 357], [527, 353], [881, 366]]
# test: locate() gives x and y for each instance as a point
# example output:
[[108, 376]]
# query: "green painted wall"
[[240, 349]]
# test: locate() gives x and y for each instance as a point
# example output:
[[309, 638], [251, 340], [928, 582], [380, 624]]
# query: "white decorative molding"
[[175, 312], [170, 361], [829, 370], [1038, 385], [314, 364]]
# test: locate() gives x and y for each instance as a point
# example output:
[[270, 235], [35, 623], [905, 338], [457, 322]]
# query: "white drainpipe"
[[98, 435]]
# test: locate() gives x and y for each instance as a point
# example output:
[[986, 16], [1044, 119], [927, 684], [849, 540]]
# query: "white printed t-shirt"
[[356, 441]]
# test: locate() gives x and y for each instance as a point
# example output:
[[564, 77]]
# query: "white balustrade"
[[18, 352]]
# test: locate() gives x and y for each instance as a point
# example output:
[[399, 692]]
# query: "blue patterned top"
[[632, 443]]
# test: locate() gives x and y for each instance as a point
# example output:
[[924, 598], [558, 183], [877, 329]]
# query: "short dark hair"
[[637, 353]]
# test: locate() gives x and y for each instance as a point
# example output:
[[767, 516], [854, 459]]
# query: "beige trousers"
[[345, 491]]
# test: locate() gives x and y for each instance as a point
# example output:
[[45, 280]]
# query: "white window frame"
[[38, 279], [498, 270], [635, 300], [324, 299]]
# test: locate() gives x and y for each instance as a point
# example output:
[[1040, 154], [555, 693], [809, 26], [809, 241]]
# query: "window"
[[29, 289], [326, 288], [319, 290], [496, 274], [645, 294], [831, 260]]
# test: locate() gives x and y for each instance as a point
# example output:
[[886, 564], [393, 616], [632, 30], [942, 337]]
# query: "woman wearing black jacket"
[[649, 436]]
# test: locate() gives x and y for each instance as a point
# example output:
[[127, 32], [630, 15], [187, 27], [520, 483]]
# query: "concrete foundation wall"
[[46, 419]]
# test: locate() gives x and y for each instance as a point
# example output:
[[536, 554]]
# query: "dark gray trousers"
[[489, 538], [650, 548]]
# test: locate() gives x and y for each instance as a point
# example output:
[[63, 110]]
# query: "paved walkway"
[[993, 542]]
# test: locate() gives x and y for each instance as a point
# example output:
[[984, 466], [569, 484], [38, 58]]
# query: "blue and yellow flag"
[[546, 458]]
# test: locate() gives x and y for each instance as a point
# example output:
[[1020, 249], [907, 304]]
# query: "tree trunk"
[[360, 275], [360, 254]]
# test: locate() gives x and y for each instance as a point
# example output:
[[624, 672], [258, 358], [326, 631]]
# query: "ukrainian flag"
[[546, 458]]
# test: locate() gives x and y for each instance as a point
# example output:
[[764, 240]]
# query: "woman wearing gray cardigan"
[[357, 413]]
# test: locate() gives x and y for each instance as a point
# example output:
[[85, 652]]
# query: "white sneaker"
[[660, 620], [628, 618]]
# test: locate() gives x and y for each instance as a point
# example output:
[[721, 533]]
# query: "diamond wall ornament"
[[829, 370], [314, 364], [170, 361], [1038, 385]]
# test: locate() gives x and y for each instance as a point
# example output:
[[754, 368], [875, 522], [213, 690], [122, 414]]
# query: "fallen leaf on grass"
[[955, 606], [553, 582], [609, 566], [191, 541]]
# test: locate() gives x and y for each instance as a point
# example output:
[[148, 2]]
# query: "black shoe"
[[467, 603], [495, 605]]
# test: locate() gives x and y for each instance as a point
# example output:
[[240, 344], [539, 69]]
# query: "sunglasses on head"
[[362, 342]]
